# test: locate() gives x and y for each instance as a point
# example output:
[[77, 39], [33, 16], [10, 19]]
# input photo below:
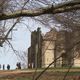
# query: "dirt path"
[[12, 74], [27, 72], [15, 73]]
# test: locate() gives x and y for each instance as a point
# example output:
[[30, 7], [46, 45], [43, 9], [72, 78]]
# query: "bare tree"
[[41, 8]]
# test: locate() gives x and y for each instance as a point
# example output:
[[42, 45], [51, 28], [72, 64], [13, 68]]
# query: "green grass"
[[17, 78], [54, 68], [73, 73], [23, 78]]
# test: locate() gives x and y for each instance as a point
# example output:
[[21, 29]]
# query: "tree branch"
[[60, 8]]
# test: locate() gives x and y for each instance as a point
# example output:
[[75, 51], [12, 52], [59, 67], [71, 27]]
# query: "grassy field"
[[51, 74]]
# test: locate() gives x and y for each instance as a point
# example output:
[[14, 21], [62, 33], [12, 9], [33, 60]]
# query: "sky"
[[20, 41]]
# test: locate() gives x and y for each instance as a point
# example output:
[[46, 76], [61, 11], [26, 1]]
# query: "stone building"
[[48, 48], [63, 44], [53, 46], [45, 49], [35, 50]]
